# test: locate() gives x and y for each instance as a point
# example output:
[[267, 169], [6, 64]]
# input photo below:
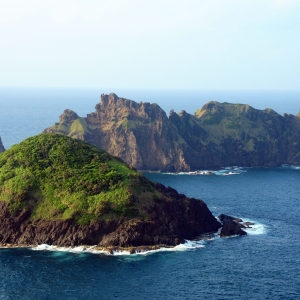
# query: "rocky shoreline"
[[169, 223], [231, 226]]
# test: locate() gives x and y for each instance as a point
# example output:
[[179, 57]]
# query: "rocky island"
[[62, 191], [217, 135]]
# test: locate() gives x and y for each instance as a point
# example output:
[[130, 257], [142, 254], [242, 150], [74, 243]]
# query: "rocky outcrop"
[[231, 226], [218, 135], [139, 133], [169, 223], [2, 149]]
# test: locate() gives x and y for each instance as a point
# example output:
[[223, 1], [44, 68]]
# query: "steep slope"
[[218, 135], [139, 133], [62, 191], [234, 134]]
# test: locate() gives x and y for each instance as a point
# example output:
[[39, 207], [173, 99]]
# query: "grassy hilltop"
[[57, 177]]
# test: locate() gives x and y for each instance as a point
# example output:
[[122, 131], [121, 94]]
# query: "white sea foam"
[[256, 229], [79, 249], [222, 172], [291, 167], [188, 245]]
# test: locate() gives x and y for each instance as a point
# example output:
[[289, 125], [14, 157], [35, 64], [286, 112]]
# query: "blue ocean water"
[[263, 265], [27, 111]]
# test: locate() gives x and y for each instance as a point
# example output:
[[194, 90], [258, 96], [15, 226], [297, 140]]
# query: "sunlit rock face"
[[217, 135]]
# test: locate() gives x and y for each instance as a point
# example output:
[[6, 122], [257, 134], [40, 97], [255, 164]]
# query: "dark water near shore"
[[263, 265]]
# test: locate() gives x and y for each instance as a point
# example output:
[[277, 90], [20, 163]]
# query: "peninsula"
[[217, 135]]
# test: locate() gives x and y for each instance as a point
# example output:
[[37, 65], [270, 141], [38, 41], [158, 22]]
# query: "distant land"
[[61, 191], [217, 135]]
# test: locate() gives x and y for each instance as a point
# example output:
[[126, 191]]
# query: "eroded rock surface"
[[218, 135], [169, 223], [231, 226]]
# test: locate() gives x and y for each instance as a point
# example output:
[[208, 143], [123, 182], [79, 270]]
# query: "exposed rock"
[[231, 226], [68, 116], [170, 223], [224, 218], [2, 149], [139, 133], [218, 135]]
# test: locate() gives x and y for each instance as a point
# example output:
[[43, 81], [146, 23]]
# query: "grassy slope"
[[225, 119], [57, 177]]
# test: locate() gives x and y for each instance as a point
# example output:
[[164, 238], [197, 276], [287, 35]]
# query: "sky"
[[165, 44]]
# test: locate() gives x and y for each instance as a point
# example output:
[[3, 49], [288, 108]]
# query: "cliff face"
[[2, 149], [232, 134], [169, 223], [139, 133], [219, 134]]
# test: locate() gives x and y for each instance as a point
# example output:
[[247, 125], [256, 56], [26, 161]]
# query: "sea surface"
[[263, 265]]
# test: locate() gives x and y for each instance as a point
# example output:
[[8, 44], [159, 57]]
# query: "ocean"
[[262, 265]]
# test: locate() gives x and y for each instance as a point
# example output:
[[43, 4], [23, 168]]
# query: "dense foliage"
[[57, 177]]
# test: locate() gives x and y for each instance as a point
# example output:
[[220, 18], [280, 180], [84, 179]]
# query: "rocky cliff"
[[2, 149], [61, 191], [218, 135]]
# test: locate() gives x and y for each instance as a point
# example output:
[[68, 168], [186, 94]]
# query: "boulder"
[[231, 226]]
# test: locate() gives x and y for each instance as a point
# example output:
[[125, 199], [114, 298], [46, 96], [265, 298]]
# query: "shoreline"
[[114, 250], [252, 227]]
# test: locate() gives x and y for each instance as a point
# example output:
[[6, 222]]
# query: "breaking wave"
[[222, 172], [255, 228], [188, 245], [291, 167]]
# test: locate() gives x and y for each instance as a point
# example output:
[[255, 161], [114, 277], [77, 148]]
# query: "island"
[[61, 191], [217, 135]]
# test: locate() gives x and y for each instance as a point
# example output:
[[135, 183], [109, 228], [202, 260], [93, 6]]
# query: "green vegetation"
[[57, 177], [223, 120], [77, 127]]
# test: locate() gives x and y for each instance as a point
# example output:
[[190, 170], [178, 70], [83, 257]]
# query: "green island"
[[63, 191]]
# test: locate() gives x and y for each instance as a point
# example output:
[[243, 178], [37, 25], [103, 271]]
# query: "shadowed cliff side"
[[218, 135], [2, 149], [223, 134]]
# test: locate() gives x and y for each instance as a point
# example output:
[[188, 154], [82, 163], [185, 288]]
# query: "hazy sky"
[[192, 44]]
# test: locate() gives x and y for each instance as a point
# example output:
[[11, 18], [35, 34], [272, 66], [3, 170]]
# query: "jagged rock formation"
[[218, 135], [61, 191], [231, 226], [2, 149]]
